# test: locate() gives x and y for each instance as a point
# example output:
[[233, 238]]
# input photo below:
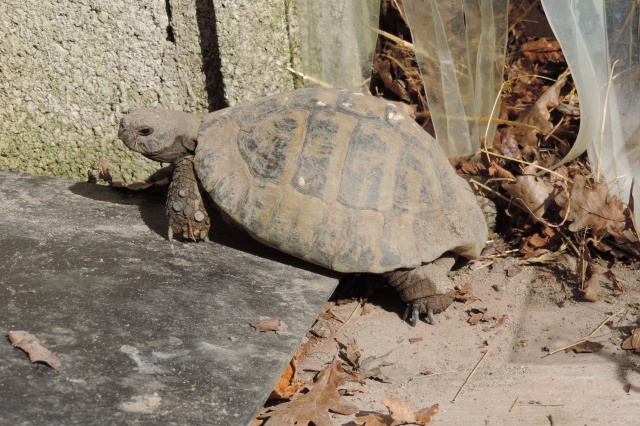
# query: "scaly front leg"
[[185, 206]]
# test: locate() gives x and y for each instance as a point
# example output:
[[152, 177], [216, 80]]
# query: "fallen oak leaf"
[[289, 384], [532, 244], [35, 348], [588, 207], [394, 85], [399, 414], [465, 294], [586, 347], [592, 288], [633, 342], [269, 324], [536, 119], [352, 387], [367, 368], [594, 274], [497, 171], [475, 317], [484, 315], [531, 192], [314, 406], [424, 416], [374, 419]]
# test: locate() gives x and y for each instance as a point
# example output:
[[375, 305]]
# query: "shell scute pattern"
[[340, 179], [266, 145], [321, 158]]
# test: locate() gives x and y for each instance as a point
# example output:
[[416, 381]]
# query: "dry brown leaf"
[[542, 50], [485, 315], [270, 324], [394, 85], [424, 416], [588, 207], [500, 322], [351, 387], [592, 288], [465, 294], [367, 368], [591, 284], [289, 384], [399, 414], [475, 318], [593, 276], [531, 245], [314, 406], [374, 419], [537, 118], [633, 342], [497, 171], [36, 349], [530, 191], [586, 347]]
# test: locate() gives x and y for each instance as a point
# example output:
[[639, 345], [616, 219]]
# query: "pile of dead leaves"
[[545, 213], [324, 396]]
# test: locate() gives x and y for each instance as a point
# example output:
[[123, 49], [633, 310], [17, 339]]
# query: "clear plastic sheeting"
[[337, 42], [600, 39], [460, 46]]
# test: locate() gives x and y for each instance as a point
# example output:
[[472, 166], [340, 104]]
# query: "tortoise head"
[[160, 135]]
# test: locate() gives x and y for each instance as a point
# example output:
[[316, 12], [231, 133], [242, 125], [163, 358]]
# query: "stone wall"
[[69, 71]]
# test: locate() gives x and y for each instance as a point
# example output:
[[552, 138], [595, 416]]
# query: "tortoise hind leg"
[[427, 289], [186, 209]]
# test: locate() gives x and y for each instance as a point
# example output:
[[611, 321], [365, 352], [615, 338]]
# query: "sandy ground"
[[542, 312]]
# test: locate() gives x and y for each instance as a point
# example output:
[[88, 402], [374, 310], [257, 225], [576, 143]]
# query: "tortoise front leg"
[[185, 205], [427, 289]]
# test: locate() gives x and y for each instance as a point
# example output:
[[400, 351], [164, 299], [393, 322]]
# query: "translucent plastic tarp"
[[337, 42], [460, 46], [600, 38]]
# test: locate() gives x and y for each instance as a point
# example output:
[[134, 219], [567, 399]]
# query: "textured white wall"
[[70, 69]]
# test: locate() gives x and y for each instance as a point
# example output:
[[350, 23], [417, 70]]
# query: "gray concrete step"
[[149, 331]]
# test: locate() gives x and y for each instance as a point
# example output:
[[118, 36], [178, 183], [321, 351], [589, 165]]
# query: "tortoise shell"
[[340, 179]]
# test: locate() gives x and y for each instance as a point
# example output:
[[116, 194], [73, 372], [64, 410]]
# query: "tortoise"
[[341, 179]]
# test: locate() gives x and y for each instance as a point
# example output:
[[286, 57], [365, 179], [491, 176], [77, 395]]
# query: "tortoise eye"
[[145, 131]]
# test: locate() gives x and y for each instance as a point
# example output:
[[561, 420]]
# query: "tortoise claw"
[[170, 233], [406, 312], [414, 309], [430, 316], [415, 314]]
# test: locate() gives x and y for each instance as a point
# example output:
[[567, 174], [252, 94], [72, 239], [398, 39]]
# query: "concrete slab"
[[149, 331]]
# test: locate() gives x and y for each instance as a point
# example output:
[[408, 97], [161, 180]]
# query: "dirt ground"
[[518, 382]]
